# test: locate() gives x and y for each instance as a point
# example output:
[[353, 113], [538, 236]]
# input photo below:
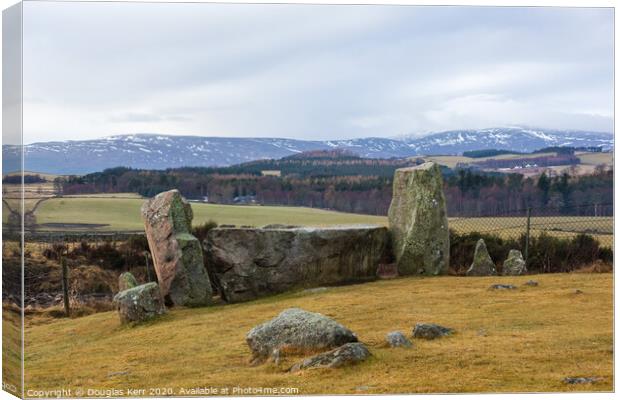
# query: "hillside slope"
[[527, 340]]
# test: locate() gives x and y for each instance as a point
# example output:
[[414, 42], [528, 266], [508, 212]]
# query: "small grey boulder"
[[296, 331], [501, 286], [349, 353], [514, 264], [431, 331], [126, 280], [483, 265], [531, 283], [397, 339], [580, 380], [140, 303]]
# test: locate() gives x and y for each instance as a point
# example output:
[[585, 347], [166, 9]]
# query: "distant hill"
[[518, 140], [316, 163], [151, 151]]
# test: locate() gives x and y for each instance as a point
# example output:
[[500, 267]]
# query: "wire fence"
[[566, 222]]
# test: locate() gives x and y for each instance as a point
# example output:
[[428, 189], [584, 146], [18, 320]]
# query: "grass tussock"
[[523, 340]]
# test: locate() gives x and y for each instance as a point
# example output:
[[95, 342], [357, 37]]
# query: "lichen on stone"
[[419, 222]]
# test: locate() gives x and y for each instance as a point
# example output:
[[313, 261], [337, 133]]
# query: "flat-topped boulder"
[[248, 263], [419, 221], [177, 254]]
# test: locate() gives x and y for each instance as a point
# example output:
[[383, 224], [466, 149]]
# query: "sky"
[[311, 71]]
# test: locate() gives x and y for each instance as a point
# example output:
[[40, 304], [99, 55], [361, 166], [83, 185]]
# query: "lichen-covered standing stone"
[[483, 265], [126, 280], [139, 303], [296, 331], [514, 264], [419, 222], [177, 254]]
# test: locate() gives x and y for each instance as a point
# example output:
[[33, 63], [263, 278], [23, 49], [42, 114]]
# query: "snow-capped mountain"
[[152, 151], [514, 139]]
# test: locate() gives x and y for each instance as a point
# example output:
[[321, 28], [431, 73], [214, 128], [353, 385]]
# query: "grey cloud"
[[313, 72]]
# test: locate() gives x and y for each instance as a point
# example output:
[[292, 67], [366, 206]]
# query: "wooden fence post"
[[148, 270], [65, 285], [527, 235]]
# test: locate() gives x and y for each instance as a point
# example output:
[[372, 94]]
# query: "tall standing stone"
[[482, 265], [177, 254], [419, 221]]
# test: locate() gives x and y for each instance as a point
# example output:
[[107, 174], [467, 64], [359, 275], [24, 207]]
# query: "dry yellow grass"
[[451, 161], [11, 349], [524, 340], [595, 158]]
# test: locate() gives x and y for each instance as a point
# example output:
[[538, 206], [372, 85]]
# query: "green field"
[[124, 214]]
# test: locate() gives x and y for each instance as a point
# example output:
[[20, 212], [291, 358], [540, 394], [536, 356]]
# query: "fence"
[[551, 240], [595, 220]]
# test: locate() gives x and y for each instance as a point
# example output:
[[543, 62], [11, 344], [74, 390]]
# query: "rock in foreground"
[[483, 265], [249, 263], [349, 353], [419, 222], [430, 331], [140, 303], [296, 331], [514, 264], [397, 339], [177, 254]]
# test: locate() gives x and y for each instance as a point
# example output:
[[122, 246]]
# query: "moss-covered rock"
[[139, 303], [397, 339], [482, 265], [430, 331], [177, 254], [419, 221], [126, 280], [347, 354], [297, 331]]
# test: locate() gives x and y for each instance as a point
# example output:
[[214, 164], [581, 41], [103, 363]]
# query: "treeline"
[[550, 149], [365, 188], [17, 179], [487, 153], [477, 194]]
